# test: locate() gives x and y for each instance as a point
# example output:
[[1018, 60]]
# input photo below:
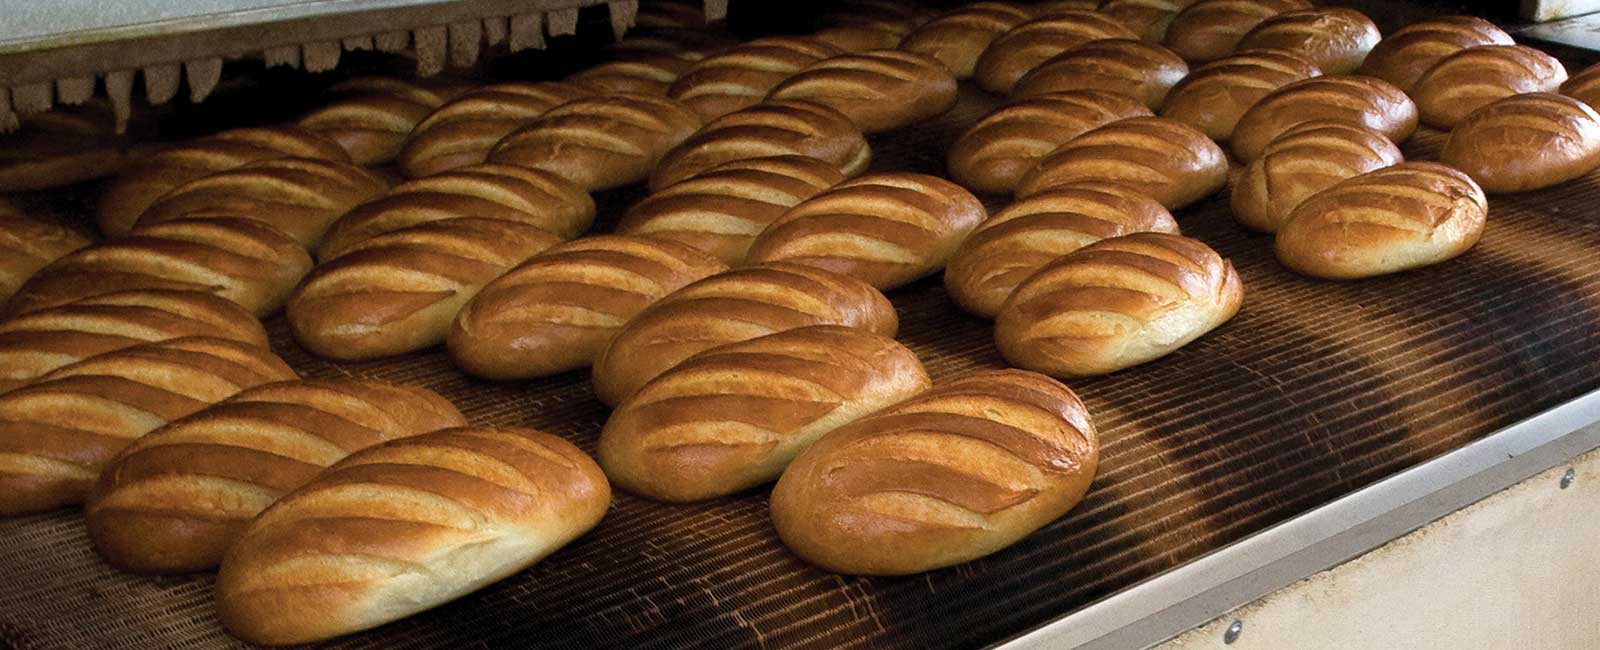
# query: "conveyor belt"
[[1315, 390]]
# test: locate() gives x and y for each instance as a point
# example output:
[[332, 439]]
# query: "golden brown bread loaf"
[[993, 155], [1303, 161], [399, 291], [27, 245], [1215, 95], [1027, 45], [1364, 101], [1403, 217], [600, 142], [1147, 18], [948, 476], [644, 73], [405, 526], [732, 417], [1526, 142], [879, 90], [127, 196], [1211, 29], [56, 433], [1477, 76], [37, 343], [245, 261], [958, 36], [1166, 159], [1117, 303], [526, 196], [1021, 239], [63, 146], [722, 210], [1401, 58], [176, 498], [557, 311], [1337, 40], [1137, 69], [370, 117], [888, 229], [462, 132], [869, 24], [741, 76], [730, 307], [774, 128], [299, 196], [1584, 86]]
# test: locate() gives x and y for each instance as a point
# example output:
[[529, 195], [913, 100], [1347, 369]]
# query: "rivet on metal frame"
[[1568, 478], [1235, 629]]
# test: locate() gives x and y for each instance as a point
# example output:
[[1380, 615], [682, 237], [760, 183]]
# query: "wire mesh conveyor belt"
[[1315, 390]]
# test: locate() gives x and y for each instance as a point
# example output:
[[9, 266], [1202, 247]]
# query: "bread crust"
[[956, 473], [957, 37], [879, 90], [1401, 58], [773, 128], [1477, 76], [557, 311], [993, 155], [1365, 101], [1397, 218], [1130, 67], [465, 129], [1117, 303], [27, 245], [1211, 29], [601, 142], [58, 432], [1526, 142], [300, 196], [1337, 39], [1026, 46], [741, 76], [1215, 95], [1167, 159], [371, 117], [1305, 160], [732, 417], [176, 498]]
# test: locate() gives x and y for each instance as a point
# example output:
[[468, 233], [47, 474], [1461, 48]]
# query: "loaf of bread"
[[63, 146], [1137, 69], [1115, 304], [405, 526], [148, 179], [888, 229], [1584, 86], [248, 262], [1027, 45], [948, 476], [1168, 160], [299, 196], [740, 77], [1211, 29], [1303, 161], [372, 116], [1337, 40], [1477, 76], [722, 210], [1021, 239], [732, 417], [27, 245], [601, 142], [1401, 58], [775, 128], [1403, 217], [1147, 18], [462, 132], [1215, 95], [993, 155], [557, 311], [958, 36], [526, 196], [879, 90], [642, 73], [864, 25], [730, 307], [1526, 142], [37, 343], [176, 498], [59, 431], [1355, 99], [398, 292]]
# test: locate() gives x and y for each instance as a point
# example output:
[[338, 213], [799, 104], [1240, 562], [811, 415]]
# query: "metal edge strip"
[[1200, 591]]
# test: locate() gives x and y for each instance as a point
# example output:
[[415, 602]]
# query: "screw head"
[[1568, 478], [1235, 629]]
